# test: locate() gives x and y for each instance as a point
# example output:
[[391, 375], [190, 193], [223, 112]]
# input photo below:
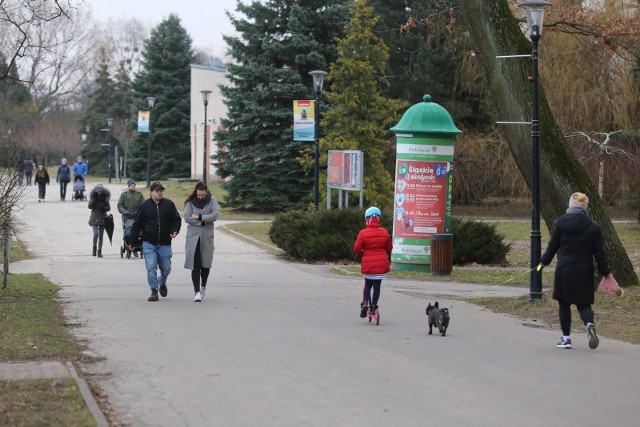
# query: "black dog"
[[439, 317]]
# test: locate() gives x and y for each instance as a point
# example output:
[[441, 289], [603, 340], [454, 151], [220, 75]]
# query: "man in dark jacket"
[[63, 177], [577, 239], [160, 222]]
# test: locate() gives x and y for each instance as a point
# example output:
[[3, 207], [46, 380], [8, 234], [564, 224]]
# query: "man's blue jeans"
[[154, 257]]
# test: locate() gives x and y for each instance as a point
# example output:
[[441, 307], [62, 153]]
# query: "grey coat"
[[200, 230]]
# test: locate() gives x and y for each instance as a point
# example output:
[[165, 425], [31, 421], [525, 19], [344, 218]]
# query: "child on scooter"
[[374, 244]]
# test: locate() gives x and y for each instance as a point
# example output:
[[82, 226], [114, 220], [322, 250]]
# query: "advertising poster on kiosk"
[[422, 200]]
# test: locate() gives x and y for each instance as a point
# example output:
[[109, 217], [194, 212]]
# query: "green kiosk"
[[422, 201]]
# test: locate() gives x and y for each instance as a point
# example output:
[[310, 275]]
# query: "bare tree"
[[10, 193], [124, 133], [123, 43], [496, 31], [604, 149], [51, 44], [53, 137]]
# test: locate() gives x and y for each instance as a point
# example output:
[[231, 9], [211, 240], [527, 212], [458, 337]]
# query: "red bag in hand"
[[609, 286]]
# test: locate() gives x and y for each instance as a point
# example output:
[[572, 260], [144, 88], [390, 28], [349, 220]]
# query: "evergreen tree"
[[16, 106], [166, 59], [279, 43], [122, 111], [96, 118], [427, 56], [361, 115]]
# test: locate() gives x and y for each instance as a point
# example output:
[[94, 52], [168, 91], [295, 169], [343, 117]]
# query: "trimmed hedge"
[[477, 242], [329, 235]]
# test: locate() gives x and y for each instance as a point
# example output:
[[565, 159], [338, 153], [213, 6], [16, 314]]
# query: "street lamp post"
[[150, 101], [205, 100], [535, 18], [87, 128], [318, 79], [109, 125]]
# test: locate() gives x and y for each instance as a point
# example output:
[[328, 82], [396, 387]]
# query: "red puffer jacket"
[[374, 244]]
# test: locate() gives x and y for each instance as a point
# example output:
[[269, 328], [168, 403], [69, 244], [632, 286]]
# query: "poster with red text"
[[420, 198]]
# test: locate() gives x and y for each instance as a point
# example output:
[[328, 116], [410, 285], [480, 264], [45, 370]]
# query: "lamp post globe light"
[[535, 18], [84, 137], [205, 100], [109, 125], [150, 101], [318, 80]]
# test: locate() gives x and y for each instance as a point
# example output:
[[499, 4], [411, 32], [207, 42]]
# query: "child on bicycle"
[[374, 244]]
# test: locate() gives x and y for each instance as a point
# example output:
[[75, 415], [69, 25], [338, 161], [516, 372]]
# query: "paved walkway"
[[281, 344]]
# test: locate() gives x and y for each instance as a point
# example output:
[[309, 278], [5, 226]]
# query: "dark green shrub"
[[477, 242], [327, 235]]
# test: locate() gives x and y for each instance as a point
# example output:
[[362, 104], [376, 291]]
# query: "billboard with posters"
[[304, 120], [344, 169], [422, 200]]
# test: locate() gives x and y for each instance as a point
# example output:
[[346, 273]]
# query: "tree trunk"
[[496, 32], [601, 177]]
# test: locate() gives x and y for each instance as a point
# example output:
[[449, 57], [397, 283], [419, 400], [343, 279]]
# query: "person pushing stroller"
[[128, 205]]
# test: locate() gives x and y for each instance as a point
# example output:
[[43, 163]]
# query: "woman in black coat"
[[99, 205], [578, 240], [42, 179]]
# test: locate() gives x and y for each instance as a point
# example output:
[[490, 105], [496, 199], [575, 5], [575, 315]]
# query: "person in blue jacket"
[[80, 168]]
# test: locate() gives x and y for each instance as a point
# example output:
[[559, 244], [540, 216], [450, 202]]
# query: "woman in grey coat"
[[577, 239], [200, 212]]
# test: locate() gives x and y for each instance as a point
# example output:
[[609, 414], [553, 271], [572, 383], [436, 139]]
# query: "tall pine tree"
[[427, 56], [96, 119], [361, 116], [280, 42], [166, 75]]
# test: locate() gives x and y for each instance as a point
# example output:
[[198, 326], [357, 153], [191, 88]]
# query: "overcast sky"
[[204, 20]]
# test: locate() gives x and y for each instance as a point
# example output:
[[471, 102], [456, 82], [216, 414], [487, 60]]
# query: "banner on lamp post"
[[304, 120], [143, 120]]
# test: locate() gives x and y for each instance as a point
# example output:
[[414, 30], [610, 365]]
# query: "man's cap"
[[130, 182], [156, 186]]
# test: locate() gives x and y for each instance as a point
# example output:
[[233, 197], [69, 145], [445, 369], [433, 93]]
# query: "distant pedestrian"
[[159, 221], [42, 179], [80, 167], [130, 201], [577, 239], [99, 205], [200, 212], [63, 177], [374, 244], [20, 172], [28, 169]]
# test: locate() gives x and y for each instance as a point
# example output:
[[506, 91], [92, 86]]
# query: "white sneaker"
[[198, 297], [203, 289]]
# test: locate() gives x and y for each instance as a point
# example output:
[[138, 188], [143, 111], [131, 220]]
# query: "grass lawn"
[[45, 402], [32, 327]]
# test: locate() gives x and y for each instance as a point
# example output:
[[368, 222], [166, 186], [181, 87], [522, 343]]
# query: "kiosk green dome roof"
[[426, 117]]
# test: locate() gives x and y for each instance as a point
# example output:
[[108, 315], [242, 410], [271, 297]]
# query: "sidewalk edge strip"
[[95, 410]]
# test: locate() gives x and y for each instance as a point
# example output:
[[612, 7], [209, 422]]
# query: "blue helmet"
[[371, 212]]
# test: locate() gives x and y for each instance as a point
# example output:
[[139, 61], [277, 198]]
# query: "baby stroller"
[[79, 188], [127, 239]]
